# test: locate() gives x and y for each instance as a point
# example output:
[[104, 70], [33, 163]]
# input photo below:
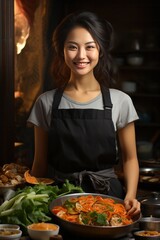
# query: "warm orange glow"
[[22, 27], [18, 94]]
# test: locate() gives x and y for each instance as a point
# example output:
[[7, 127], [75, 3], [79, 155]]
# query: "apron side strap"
[[57, 98]]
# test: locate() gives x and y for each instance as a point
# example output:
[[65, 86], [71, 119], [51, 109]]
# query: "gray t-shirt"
[[123, 111]]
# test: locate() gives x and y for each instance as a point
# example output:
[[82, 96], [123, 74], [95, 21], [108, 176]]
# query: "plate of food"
[[92, 215], [35, 180], [150, 177], [11, 178], [12, 174]]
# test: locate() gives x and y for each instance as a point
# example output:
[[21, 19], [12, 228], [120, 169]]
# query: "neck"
[[83, 84]]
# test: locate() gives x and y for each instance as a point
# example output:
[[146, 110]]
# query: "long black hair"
[[101, 31]]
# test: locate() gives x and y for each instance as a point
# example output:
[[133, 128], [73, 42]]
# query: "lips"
[[81, 64]]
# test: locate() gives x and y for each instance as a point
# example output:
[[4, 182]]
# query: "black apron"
[[82, 145]]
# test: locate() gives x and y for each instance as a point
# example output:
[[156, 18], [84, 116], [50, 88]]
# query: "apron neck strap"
[[106, 97], [105, 94], [57, 98]]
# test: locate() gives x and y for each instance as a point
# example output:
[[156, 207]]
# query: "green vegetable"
[[69, 188], [69, 204], [93, 218], [31, 204], [98, 218]]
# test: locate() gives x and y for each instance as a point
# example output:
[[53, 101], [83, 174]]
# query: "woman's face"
[[81, 52]]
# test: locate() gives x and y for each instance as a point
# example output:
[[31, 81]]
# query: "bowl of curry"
[[92, 215], [147, 235], [42, 231]]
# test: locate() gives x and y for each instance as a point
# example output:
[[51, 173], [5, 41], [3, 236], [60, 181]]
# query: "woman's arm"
[[39, 167], [130, 166]]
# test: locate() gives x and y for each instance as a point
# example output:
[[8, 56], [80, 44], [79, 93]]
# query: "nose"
[[81, 54]]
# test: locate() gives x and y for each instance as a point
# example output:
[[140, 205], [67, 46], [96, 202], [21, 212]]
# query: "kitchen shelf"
[[139, 68], [151, 59], [117, 52], [147, 88]]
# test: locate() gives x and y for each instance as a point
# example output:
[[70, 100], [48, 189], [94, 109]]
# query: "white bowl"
[[135, 60], [10, 234], [129, 87], [42, 231], [10, 226]]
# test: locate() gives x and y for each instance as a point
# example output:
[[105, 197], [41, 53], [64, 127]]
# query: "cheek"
[[95, 56], [68, 59], [68, 56]]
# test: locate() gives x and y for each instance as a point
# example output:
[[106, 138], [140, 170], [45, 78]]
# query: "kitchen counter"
[[68, 236], [73, 237]]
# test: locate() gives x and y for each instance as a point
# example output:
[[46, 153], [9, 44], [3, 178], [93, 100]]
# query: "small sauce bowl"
[[42, 231], [10, 226], [10, 234], [146, 235]]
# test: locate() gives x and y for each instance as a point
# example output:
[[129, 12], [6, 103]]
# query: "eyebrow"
[[85, 43]]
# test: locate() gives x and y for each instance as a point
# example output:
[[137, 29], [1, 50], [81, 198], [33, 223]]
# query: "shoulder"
[[116, 93], [41, 112], [118, 96], [45, 99], [43, 103], [123, 108], [46, 96]]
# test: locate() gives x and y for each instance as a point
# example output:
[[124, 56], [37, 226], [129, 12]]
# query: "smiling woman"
[[79, 122]]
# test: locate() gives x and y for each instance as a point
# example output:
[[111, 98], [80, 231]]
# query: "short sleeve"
[[123, 111], [40, 115], [127, 112]]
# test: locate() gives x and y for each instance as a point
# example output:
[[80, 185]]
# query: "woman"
[[77, 123]]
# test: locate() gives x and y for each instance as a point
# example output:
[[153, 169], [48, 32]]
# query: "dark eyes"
[[90, 47], [73, 47]]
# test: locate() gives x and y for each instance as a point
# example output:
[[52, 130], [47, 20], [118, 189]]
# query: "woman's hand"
[[132, 206]]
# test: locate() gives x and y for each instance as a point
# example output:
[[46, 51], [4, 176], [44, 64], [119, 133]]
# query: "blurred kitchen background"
[[26, 28]]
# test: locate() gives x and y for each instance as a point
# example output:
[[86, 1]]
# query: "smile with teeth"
[[81, 64]]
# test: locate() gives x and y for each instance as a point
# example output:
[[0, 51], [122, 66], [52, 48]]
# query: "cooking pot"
[[150, 224], [150, 206], [98, 232]]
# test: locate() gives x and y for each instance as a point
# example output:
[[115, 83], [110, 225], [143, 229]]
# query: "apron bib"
[[82, 141]]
